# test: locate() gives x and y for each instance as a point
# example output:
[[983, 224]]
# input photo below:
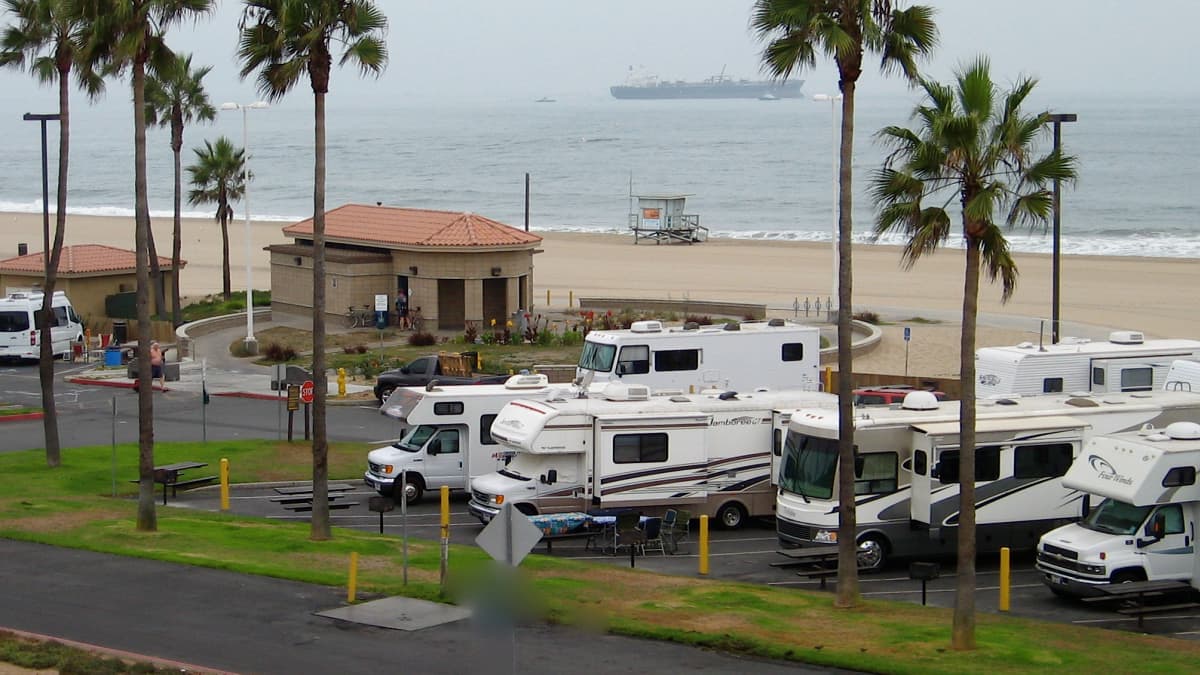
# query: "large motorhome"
[[1126, 362], [446, 439], [1146, 526], [906, 469], [742, 356], [712, 453]]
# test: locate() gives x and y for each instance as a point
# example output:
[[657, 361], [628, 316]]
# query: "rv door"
[[921, 481]]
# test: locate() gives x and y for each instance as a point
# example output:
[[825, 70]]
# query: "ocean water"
[[752, 169]]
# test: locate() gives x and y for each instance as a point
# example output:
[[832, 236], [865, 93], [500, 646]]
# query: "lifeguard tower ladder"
[[661, 218]]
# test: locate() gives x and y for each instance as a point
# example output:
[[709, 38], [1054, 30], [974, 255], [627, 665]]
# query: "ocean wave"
[[122, 212]]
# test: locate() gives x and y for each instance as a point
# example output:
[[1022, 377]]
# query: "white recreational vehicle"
[[712, 453], [446, 439], [1145, 529], [743, 356], [906, 469], [19, 334], [1126, 362]]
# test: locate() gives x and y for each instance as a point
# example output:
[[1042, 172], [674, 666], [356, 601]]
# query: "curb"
[[22, 416], [110, 383], [245, 394], [179, 666]]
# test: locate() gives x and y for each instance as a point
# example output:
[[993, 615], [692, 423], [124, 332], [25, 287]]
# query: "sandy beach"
[[1098, 294]]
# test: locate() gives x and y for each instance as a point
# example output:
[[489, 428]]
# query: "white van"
[[19, 335]]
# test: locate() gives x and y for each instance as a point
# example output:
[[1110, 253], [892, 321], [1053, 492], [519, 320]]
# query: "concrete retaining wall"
[[185, 333], [740, 310]]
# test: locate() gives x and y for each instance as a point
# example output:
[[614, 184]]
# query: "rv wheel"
[[1128, 576], [872, 554], [731, 516], [410, 493]]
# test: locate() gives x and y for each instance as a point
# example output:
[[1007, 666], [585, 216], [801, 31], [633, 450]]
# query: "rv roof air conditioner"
[[527, 382], [1126, 337], [646, 327], [775, 322], [619, 391], [919, 400], [1183, 431]]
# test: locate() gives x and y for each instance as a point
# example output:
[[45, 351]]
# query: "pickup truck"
[[420, 372]]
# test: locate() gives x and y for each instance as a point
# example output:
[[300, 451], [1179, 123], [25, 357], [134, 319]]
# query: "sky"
[[508, 50]]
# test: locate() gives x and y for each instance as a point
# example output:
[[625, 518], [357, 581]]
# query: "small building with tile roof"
[[88, 274], [456, 267]]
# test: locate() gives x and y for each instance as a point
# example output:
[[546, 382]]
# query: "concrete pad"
[[398, 613]]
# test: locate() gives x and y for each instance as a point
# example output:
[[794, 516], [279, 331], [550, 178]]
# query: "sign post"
[[381, 315], [907, 337], [306, 397], [293, 404]]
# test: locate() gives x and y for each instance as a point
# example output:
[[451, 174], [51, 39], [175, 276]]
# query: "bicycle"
[[356, 318]]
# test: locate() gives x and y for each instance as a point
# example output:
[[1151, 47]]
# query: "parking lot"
[[743, 555]]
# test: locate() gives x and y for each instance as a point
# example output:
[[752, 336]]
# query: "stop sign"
[[306, 391]]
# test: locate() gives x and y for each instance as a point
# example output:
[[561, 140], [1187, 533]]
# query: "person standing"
[[157, 372], [401, 309]]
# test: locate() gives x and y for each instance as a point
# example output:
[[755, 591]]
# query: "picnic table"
[[815, 560], [172, 476], [1136, 593], [299, 498], [556, 526]]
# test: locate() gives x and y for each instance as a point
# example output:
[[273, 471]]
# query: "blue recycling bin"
[[112, 356]]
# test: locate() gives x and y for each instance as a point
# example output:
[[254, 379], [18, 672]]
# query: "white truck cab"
[[1145, 527]]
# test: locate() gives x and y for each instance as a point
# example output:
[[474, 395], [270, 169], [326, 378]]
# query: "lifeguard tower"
[[661, 218]]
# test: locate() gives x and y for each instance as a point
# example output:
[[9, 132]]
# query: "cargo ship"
[[650, 87]]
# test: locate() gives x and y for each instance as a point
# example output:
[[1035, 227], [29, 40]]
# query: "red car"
[[888, 394]]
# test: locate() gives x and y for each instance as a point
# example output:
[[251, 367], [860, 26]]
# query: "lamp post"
[[250, 343], [43, 118], [836, 183], [1056, 256]]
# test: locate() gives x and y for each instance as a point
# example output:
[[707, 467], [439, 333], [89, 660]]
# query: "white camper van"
[[712, 453], [1145, 529], [1126, 362], [906, 469], [742, 356], [19, 334], [446, 439]]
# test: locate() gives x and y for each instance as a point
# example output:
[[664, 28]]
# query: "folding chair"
[[653, 533], [675, 529]]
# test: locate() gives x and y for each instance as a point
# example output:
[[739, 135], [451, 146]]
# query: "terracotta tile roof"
[[401, 228], [82, 259]]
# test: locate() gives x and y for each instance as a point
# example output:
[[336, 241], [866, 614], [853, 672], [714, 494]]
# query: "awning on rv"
[[1004, 424]]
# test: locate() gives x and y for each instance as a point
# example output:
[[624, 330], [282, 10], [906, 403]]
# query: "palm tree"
[[219, 177], [176, 97], [284, 40], [44, 37], [974, 147], [129, 35], [795, 31]]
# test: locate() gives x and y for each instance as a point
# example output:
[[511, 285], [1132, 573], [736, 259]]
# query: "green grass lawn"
[[72, 506]]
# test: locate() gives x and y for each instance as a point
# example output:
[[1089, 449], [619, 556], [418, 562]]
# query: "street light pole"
[[1056, 256], [836, 183], [250, 343], [43, 118]]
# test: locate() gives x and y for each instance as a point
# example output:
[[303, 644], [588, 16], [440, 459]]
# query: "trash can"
[[120, 332], [472, 359], [112, 356]]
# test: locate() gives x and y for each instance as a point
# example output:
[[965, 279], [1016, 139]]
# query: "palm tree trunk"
[[963, 635], [225, 284], [847, 578], [147, 519], [320, 447], [177, 238]]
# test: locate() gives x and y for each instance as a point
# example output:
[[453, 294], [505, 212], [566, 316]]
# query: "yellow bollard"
[[479, 362], [1005, 579], [341, 382], [570, 299], [224, 484], [445, 535], [353, 585], [547, 297], [704, 545], [827, 379]]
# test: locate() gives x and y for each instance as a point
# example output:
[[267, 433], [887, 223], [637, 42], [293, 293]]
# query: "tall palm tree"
[[844, 30], [974, 147], [284, 40], [219, 177], [130, 36], [44, 37], [174, 98]]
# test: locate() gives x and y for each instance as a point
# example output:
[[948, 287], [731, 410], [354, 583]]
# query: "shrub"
[[868, 317], [702, 320], [422, 339], [571, 338], [471, 333], [277, 352]]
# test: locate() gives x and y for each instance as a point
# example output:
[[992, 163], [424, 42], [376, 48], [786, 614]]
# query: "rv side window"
[[987, 465], [877, 474], [920, 463], [1137, 379], [72, 315], [638, 448], [793, 351], [447, 440], [677, 359], [1180, 476], [1042, 461], [448, 408], [634, 360], [1052, 385], [14, 322], [1098, 376], [1174, 517], [485, 429]]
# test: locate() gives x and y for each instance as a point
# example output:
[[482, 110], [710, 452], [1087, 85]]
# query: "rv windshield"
[[598, 357], [809, 464], [1114, 517], [522, 467], [416, 438]]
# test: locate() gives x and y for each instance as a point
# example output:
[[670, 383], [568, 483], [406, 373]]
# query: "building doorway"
[[495, 297], [451, 304]]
